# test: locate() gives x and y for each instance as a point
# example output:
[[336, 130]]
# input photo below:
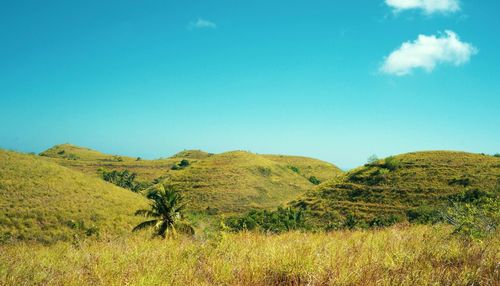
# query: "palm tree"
[[166, 209]]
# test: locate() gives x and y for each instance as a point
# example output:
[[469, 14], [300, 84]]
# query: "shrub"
[[314, 180], [294, 169], [117, 158], [464, 182], [391, 163], [424, 215], [184, 163], [352, 221], [384, 220], [474, 221], [372, 159], [497, 155], [471, 196]]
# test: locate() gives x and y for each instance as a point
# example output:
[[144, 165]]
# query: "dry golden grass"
[[402, 255], [42, 201]]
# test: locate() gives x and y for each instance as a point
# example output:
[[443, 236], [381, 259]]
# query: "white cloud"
[[429, 6], [202, 24], [426, 52]]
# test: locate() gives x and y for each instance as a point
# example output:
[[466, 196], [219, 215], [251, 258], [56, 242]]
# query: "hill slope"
[[402, 183], [230, 182], [237, 181], [40, 200]]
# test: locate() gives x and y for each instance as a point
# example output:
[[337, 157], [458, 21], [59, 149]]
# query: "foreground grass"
[[416, 255]]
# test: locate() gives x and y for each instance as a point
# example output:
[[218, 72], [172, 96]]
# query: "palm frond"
[[146, 224], [147, 213]]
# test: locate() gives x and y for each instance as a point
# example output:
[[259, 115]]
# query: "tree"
[[372, 159], [184, 163], [166, 211]]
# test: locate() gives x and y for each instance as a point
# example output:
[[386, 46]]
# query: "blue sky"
[[327, 79]]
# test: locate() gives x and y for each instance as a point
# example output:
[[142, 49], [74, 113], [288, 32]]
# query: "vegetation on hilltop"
[[43, 201], [409, 186], [72, 152], [192, 154]]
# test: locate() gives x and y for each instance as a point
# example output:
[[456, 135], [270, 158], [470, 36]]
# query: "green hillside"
[[397, 185], [42, 201]]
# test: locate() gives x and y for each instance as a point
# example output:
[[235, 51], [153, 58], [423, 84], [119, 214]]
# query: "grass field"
[[401, 255]]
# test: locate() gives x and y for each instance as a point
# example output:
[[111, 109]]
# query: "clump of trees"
[[165, 213], [277, 221], [182, 164], [124, 179]]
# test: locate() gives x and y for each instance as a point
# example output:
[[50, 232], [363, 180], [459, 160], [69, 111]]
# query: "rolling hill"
[[238, 181], [403, 183], [229, 182], [90, 161], [43, 201]]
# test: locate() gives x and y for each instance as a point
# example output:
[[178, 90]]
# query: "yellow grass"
[[416, 255], [40, 200]]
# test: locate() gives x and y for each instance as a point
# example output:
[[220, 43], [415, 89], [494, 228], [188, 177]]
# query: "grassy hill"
[[72, 152], [90, 161], [237, 181], [43, 201], [228, 182], [397, 185], [192, 154]]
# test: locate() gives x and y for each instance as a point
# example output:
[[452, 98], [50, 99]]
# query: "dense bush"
[[391, 163], [475, 220], [182, 164], [124, 179], [424, 215], [280, 220]]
